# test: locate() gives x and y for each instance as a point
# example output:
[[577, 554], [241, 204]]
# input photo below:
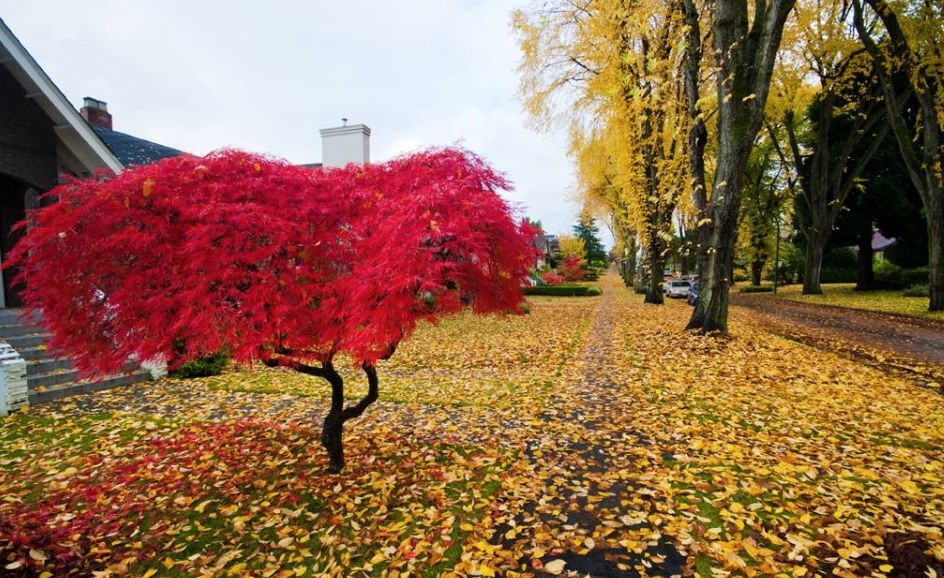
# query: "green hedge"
[[203, 367], [564, 290], [889, 276], [756, 289]]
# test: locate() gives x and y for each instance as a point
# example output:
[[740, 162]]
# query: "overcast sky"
[[265, 76]]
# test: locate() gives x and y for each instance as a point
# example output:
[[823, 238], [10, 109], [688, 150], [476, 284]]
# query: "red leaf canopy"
[[238, 252]]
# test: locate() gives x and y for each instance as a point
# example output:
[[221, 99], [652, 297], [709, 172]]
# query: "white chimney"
[[345, 144]]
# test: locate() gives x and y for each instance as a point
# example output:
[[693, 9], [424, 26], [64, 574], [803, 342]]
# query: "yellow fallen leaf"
[[286, 542], [555, 567]]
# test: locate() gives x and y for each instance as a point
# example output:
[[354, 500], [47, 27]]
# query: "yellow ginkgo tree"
[[610, 70]]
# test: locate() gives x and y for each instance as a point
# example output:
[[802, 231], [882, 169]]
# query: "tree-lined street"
[[588, 436]]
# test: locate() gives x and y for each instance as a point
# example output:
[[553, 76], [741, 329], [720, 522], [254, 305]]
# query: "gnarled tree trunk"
[[745, 53], [332, 429]]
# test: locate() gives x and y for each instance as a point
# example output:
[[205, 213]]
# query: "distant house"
[[129, 150], [547, 246], [879, 244]]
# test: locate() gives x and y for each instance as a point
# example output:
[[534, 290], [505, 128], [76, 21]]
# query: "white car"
[[678, 289]]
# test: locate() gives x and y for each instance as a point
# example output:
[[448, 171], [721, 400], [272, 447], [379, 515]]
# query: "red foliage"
[[237, 252], [572, 268], [551, 278]]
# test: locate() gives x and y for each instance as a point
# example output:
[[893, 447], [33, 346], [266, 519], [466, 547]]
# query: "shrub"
[[551, 278], [840, 258], [890, 276], [202, 367], [572, 268], [757, 289], [564, 290], [833, 274], [918, 290]]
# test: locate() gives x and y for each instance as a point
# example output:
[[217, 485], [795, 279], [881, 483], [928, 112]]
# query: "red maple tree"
[[572, 269], [267, 261]]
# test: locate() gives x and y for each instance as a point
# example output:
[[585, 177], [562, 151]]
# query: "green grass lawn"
[[844, 295]]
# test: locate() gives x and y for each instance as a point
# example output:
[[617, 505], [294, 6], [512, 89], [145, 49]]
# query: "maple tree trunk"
[[865, 280], [333, 427], [813, 267], [332, 431]]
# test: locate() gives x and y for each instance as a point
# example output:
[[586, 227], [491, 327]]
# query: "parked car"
[[678, 289], [693, 294]]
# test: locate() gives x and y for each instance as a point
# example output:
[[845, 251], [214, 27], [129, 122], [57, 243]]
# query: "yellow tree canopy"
[[571, 245]]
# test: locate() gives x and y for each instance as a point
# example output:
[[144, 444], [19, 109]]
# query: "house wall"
[[27, 138], [28, 162]]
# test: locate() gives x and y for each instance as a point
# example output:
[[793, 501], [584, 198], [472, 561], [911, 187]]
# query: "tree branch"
[[372, 394]]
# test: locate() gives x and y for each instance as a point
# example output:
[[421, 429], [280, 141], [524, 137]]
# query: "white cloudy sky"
[[265, 76]]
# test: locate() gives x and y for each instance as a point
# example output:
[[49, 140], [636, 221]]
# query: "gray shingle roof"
[[131, 150]]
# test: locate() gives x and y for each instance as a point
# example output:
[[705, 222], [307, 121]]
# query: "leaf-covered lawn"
[[844, 295], [495, 362], [591, 436]]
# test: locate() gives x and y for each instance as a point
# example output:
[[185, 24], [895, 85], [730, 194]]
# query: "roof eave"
[[69, 126]]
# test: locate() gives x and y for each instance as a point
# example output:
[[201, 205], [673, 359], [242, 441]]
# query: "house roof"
[[131, 150], [73, 134], [880, 242]]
